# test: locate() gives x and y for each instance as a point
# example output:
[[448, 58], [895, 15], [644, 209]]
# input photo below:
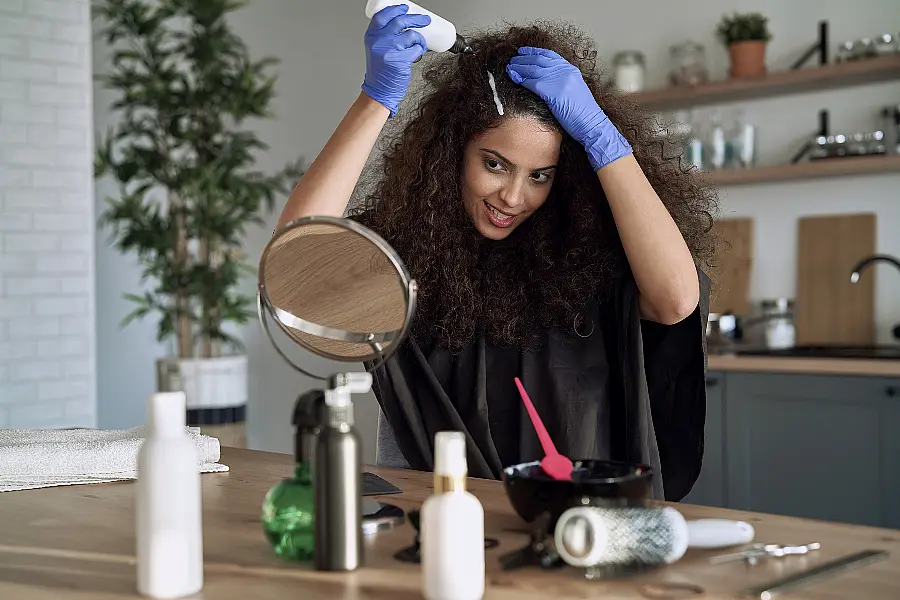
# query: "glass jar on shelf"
[[846, 51], [865, 48], [688, 64], [885, 44], [629, 71], [778, 322]]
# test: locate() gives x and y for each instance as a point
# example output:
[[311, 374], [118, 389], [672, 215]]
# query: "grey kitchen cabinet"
[[709, 489], [816, 446], [805, 445]]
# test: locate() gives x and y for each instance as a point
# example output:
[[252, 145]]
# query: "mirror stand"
[[375, 341], [338, 290]]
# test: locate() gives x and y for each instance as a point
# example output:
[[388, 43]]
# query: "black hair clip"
[[579, 327]]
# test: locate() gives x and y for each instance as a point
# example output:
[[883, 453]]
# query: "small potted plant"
[[745, 35]]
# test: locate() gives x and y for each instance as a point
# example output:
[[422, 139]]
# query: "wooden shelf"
[[828, 167], [811, 79]]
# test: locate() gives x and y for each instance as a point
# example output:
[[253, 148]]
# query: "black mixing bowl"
[[604, 483]]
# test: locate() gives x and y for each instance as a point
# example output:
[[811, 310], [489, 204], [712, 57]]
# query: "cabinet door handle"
[[712, 381], [891, 391]]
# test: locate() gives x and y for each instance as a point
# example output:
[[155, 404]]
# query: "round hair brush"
[[588, 536]]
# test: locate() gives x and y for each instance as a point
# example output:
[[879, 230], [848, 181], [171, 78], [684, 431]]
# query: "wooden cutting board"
[[830, 309], [733, 263]]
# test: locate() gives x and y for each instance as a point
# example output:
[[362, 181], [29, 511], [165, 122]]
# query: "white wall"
[[46, 220], [125, 357], [320, 44]]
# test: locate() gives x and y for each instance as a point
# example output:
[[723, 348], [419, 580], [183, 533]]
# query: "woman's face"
[[507, 174]]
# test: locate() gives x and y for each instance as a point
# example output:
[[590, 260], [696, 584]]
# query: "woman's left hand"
[[560, 84]]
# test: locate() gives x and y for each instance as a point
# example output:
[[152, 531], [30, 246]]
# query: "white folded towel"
[[36, 458]]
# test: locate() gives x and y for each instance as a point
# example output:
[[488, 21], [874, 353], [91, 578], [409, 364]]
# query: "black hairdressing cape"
[[620, 388]]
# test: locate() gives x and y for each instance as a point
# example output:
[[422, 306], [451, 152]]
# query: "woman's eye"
[[493, 165], [541, 177]]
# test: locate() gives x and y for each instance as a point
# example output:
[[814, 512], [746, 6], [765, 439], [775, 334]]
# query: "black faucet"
[[854, 275]]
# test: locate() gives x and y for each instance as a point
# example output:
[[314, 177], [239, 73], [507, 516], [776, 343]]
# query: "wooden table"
[[67, 543]]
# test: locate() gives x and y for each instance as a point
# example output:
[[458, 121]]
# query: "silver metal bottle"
[[338, 483]]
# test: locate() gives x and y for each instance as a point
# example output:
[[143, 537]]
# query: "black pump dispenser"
[[307, 418]]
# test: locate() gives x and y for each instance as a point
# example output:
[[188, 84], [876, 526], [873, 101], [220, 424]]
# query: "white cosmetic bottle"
[[440, 34], [168, 503], [451, 527]]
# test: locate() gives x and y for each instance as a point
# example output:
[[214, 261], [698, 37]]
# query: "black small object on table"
[[373, 485], [412, 553], [540, 550]]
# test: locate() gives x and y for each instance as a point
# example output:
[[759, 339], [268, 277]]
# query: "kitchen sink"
[[861, 352]]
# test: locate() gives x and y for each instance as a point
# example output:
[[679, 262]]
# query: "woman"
[[552, 239]]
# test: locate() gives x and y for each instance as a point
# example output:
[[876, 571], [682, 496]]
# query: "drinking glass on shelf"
[[718, 145], [694, 145], [742, 142]]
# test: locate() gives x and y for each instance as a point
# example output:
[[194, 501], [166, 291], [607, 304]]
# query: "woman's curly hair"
[[568, 252]]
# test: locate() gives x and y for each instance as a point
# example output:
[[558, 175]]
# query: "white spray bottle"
[[440, 34], [451, 523], [168, 503]]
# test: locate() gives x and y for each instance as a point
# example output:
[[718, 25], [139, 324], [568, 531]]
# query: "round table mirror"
[[337, 289]]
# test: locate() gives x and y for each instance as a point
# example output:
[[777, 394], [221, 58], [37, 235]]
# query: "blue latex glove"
[[391, 49], [560, 84]]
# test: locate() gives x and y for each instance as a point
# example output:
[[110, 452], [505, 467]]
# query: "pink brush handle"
[[543, 436]]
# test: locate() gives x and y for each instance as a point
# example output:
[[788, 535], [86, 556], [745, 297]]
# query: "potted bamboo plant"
[[184, 160], [746, 36]]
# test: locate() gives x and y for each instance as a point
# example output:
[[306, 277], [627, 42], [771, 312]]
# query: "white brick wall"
[[47, 333]]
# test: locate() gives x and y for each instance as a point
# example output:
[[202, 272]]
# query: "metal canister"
[[338, 490]]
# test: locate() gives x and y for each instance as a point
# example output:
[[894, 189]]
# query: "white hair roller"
[[586, 536]]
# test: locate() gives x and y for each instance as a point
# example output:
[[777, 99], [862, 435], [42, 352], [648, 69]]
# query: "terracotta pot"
[[748, 59]]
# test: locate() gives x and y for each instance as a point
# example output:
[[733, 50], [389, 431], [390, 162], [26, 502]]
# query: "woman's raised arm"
[[392, 45]]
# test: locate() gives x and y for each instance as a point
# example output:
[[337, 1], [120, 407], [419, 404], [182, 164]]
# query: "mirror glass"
[[336, 288]]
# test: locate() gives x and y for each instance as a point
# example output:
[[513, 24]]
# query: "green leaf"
[[743, 27]]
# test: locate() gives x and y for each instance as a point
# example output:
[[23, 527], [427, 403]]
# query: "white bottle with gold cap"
[[451, 527]]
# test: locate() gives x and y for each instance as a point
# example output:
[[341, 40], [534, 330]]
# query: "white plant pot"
[[208, 383]]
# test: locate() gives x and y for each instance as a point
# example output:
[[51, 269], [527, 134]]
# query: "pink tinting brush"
[[554, 464]]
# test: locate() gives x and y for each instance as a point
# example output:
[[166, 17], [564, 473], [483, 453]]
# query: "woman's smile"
[[498, 218]]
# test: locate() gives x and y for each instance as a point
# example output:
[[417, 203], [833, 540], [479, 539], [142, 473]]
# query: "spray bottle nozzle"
[[351, 383], [461, 46], [339, 396]]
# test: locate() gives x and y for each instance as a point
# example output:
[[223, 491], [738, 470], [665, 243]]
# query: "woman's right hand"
[[391, 48]]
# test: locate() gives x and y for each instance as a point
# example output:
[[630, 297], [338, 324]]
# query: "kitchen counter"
[[77, 542], [823, 366]]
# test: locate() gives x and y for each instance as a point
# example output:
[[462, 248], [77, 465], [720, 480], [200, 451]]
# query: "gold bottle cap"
[[450, 467], [444, 483]]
